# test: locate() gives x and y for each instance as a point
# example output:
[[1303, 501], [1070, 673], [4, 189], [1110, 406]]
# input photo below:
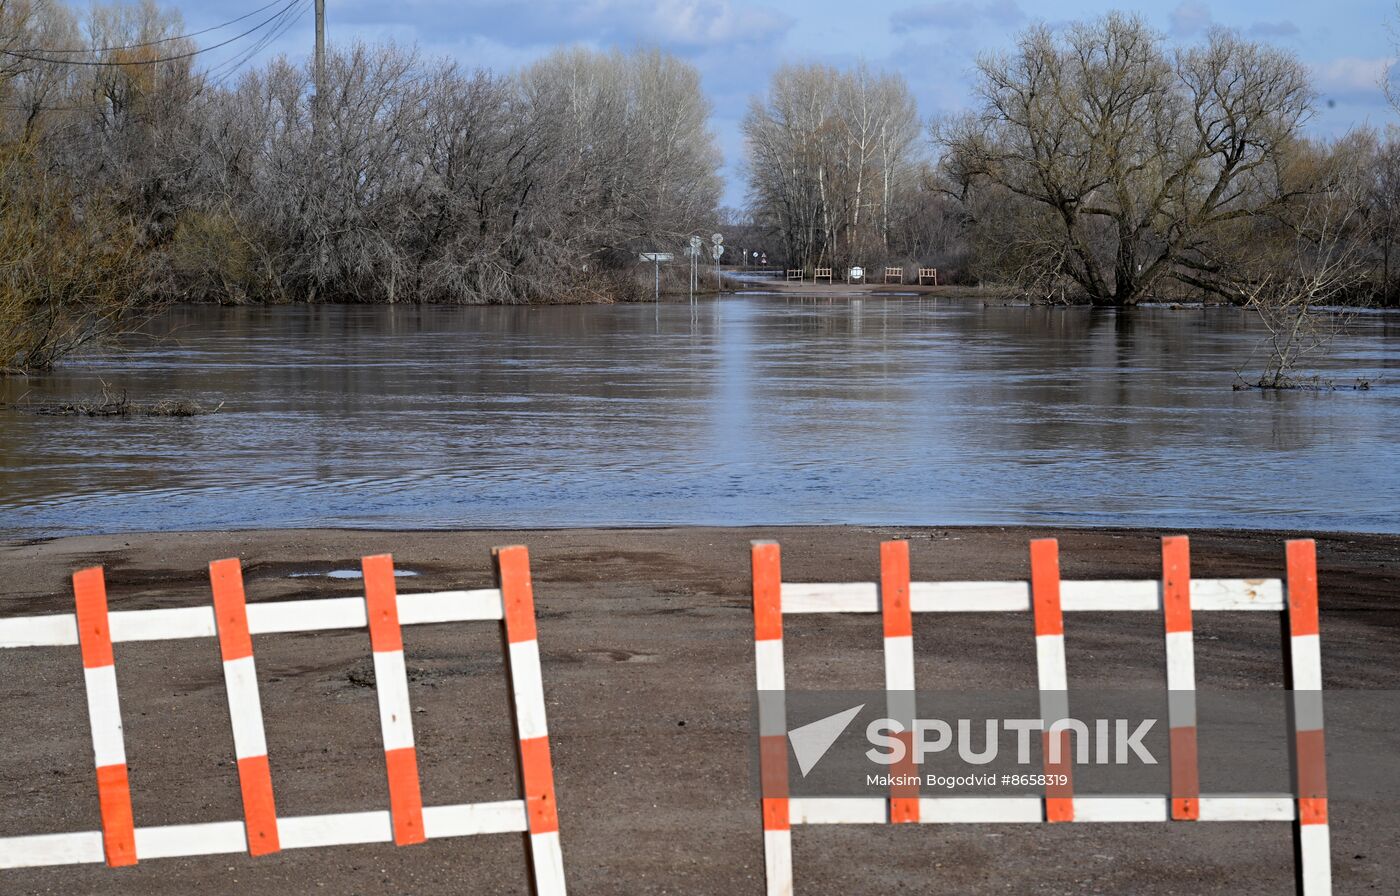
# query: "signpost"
[[657, 259], [694, 253], [717, 252]]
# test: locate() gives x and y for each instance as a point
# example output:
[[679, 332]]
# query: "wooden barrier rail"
[[234, 623], [1047, 598]]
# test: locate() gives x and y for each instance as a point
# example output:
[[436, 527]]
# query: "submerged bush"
[[71, 267]]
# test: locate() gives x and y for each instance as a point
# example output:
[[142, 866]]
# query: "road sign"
[[717, 250], [695, 242], [716, 238], [657, 259], [857, 272]]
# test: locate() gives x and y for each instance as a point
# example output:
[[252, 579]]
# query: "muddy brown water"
[[749, 410]]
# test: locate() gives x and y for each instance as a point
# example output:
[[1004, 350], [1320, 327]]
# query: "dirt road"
[[646, 641]]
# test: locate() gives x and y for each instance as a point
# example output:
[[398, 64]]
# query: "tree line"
[[1096, 162], [128, 177]]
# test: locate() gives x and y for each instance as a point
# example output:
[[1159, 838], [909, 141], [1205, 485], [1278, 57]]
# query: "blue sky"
[[737, 45]]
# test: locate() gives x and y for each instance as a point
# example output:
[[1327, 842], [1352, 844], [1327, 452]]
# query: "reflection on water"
[[755, 410]]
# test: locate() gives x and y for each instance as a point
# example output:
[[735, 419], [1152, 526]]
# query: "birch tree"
[[830, 157]]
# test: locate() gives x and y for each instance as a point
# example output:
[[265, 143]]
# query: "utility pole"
[[320, 64], [318, 108]]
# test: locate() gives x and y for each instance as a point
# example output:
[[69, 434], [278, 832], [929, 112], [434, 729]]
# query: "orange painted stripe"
[[1186, 778], [1311, 752], [1176, 607], [94, 634], [767, 592], [776, 814], [1302, 587], [118, 824], [1045, 587], [1059, 798], [259, 808], [1312, 811], [405, 798], [382, 604], [538, 774], [230, 609], [1176, 583], [904, 798], [773, 766], [894, 589], [517, 592], [1059, 809]]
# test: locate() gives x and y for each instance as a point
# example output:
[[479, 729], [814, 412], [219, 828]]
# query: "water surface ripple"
[[755, 410]]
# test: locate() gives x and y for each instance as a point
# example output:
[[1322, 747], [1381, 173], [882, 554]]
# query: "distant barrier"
[[930, 274], [895, 275], [234, 623], [1177, 595]]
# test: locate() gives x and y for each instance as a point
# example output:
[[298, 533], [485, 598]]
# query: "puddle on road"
[[346, 574]]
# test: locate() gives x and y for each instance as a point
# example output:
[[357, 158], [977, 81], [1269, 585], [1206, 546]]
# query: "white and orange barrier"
[[1048, 598], [235, 622]]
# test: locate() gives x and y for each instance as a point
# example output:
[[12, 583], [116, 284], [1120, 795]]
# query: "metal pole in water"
[[717, 252], [656, 259]]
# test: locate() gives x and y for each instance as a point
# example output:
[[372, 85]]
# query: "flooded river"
[[752, 410]]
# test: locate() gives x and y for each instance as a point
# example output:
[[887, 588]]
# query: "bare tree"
[[1385, 203], [71, 268], [1320, 257], [1140, 155], [831, 160], [422, 182]]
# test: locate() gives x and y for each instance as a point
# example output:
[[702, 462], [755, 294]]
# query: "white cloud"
[[956, 15], [669, 23], [706, 23], [1190, 18], [1349, 75]]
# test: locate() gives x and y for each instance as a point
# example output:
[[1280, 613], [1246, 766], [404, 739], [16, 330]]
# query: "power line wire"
[[176, 58], [152, 43], [229, 67], [217, 75]]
